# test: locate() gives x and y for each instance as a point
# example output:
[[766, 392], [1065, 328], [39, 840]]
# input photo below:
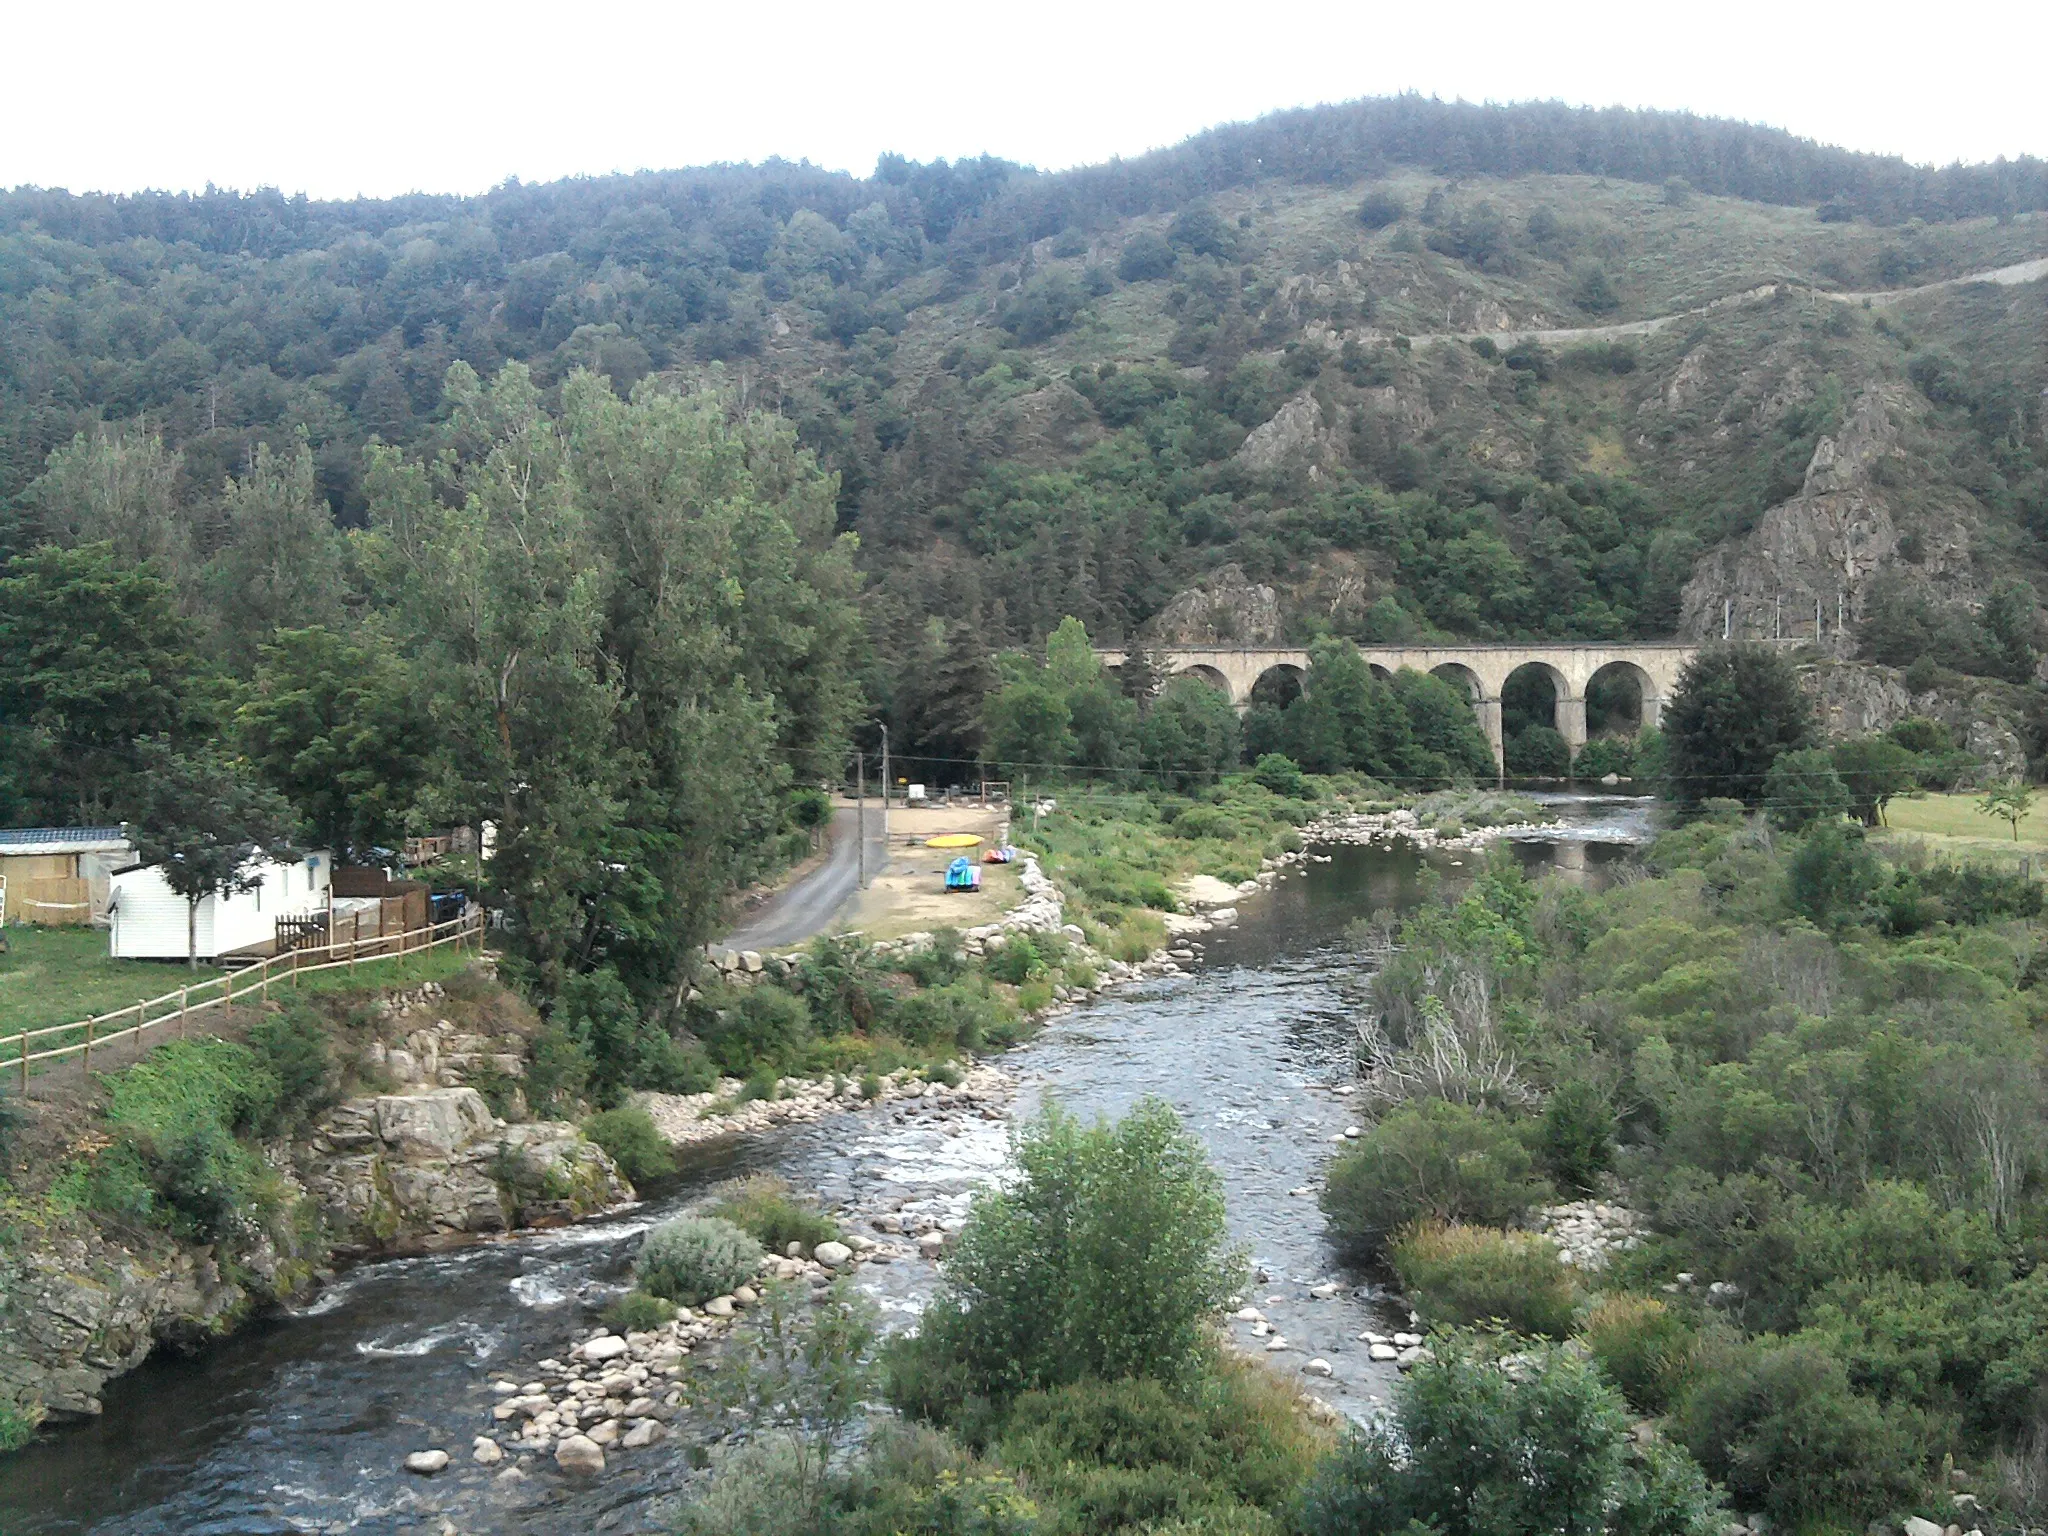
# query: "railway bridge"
[[1481, 670]]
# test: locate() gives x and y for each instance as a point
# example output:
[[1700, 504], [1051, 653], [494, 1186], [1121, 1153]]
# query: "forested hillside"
[[1082, 393]]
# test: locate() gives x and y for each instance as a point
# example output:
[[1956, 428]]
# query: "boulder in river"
[[486, 1452], [426, 1462], [832, 1255]]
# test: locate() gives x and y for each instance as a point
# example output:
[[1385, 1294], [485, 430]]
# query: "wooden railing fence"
[[177, 1008]]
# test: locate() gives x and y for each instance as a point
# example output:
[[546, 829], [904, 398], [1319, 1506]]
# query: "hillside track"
[[1885, 298]]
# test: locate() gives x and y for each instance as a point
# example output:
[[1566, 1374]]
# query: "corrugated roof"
[[21, 839]]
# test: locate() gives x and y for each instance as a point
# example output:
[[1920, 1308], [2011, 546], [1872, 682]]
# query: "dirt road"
[[2019, 272]]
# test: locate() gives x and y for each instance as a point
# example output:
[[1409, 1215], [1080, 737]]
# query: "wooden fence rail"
[[179, 1006]]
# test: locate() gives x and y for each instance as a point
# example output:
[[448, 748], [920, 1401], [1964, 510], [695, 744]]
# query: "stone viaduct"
[[1481, 670]]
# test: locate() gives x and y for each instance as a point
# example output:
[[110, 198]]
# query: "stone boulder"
[[404, 1170]]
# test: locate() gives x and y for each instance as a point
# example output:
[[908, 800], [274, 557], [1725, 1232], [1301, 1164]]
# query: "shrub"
[[1104, 1259], [1282, 775], [292, 1047], [763, 1206], [1832, 874], [1199, 821], [1428, 1161], [175, 1159], [762, 1024], [943, 960], [630, 1139], [1645, 1348], [1114, 1454], [1484, 1451], [1605, 755], [1783, 1429], [558, 1069], [638, 1312], [1381, 208], [1575, 1137], [1145, 255], [1017, 961], [693, 1258], [964, 1014], [1540, 751], [1138, 936], [1459, 1276], [1803, 788]]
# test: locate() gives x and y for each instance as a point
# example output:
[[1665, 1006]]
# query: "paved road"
[[809, 906]]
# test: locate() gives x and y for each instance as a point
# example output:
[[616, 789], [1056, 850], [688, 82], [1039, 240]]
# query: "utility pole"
[[1778, 621], [860, 814], [1727, 618], [885, 786]]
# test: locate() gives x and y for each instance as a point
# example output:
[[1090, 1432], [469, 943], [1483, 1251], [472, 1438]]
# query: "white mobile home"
[[147, 918]]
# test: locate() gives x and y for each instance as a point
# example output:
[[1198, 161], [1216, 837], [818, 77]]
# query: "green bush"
[[1645, 1348], [1539, 751], [964, 1013], [1803, 788], [1575, 1137], [1204, 821], [747, 1028], [943, 961], [1604, 755], [763, 1206], [1428, 1161], [1113, 1454], [693, 1258], [1282, 775], [1457, 1276], [176, 1160], [292, 1046], [1785, 1431], [1104, 1259], [558, 1069], [630, 1139], [638, 1312], [1481, 1450], [1017, 961]]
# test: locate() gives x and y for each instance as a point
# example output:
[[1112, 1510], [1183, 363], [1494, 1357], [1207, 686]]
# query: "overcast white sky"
[[376, 97]]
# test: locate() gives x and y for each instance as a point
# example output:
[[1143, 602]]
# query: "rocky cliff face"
[[81, 1303], [1227, 609], [1851, 698], [414, 1170], [1825, 544]]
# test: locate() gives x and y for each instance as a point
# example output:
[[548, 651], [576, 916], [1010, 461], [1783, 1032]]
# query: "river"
[[300, 1422]]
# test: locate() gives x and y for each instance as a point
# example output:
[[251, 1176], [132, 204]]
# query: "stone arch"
[[1208, 674], [1602, 684], [1383, 673], [1458, 675], [1565, 711], [1279, 685]]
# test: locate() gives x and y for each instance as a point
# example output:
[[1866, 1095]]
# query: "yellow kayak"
[[954, 840]]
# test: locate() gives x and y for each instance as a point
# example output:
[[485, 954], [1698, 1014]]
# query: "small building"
[[148, 919], [59, 875]]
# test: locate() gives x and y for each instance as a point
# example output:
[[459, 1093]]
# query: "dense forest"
[[283, 458]]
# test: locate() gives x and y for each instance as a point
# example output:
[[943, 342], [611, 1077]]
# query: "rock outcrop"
[[410, 1170], [1227, 609], [79, 1306]]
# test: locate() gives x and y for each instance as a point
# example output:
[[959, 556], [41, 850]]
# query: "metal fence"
[[176, 1009]]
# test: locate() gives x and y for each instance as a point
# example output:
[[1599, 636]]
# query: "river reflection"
[[300, 1423]]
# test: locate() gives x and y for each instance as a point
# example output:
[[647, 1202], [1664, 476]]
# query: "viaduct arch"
[[1481, 670]]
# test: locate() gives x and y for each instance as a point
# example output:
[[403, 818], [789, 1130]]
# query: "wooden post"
[[228, 995], [266, 979], [184, 1012], [141, 1018], [92, 1020], [21, 1045]]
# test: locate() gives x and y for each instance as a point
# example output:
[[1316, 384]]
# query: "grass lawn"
[[1952, 824], [54, 976], [59, 975]]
